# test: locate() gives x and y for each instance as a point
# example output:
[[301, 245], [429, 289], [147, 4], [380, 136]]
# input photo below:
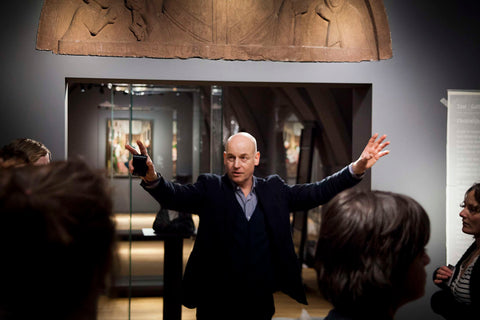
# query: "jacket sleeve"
[[175, 196], [310, 195], [444, 285], [441, 285]]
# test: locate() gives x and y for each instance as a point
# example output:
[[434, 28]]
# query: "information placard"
[[463, 164]]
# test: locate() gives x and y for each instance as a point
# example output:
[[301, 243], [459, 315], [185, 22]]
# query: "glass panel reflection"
[[184, 128]]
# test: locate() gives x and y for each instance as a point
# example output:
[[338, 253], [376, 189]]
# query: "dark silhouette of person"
[[57, 243]]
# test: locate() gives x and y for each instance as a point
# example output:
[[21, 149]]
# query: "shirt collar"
[[236, 187]]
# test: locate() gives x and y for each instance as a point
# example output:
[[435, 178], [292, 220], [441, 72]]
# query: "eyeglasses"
[[472, 209]]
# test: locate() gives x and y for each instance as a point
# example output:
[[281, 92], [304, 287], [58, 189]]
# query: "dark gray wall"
[[435, 48]]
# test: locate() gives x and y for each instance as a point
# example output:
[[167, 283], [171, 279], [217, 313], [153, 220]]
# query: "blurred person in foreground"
[[24, 151], [460, 294], [57, 243], [370, 256]]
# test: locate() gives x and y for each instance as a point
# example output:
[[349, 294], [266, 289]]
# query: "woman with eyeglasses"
[[460, 297]]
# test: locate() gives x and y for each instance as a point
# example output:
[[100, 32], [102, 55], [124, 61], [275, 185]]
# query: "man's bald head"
[[242, 135]]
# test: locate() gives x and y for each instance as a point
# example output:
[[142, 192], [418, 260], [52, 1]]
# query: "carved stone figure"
[[345, 27], [146, 19], [139, 25], [89, 19]]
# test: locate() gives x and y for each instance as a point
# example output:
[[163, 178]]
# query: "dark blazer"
[[474, 277], [212, 197], [444, 303]]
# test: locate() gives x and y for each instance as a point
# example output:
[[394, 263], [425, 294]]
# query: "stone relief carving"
[[345, 27], [89, 19], [284, 30]]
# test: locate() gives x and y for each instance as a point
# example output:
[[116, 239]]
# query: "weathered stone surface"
[[280, 30]]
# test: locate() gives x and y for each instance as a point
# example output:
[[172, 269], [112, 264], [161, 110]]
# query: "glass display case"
[[183, 128], [102, 118]]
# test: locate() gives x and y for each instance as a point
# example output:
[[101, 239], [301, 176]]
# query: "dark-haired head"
[[470, 212], [476, 191], [368, 242], [58, 241]]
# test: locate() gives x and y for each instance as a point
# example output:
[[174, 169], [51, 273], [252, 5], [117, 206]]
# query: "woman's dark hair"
[[58, 239], [367, 241], [476, 194]]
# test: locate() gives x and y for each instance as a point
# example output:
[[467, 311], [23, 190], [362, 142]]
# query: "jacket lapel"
[[230, 203]]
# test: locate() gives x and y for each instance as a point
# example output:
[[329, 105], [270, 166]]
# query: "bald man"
[[243, 251]]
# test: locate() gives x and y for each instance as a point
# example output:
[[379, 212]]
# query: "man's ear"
[[257, 158]]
